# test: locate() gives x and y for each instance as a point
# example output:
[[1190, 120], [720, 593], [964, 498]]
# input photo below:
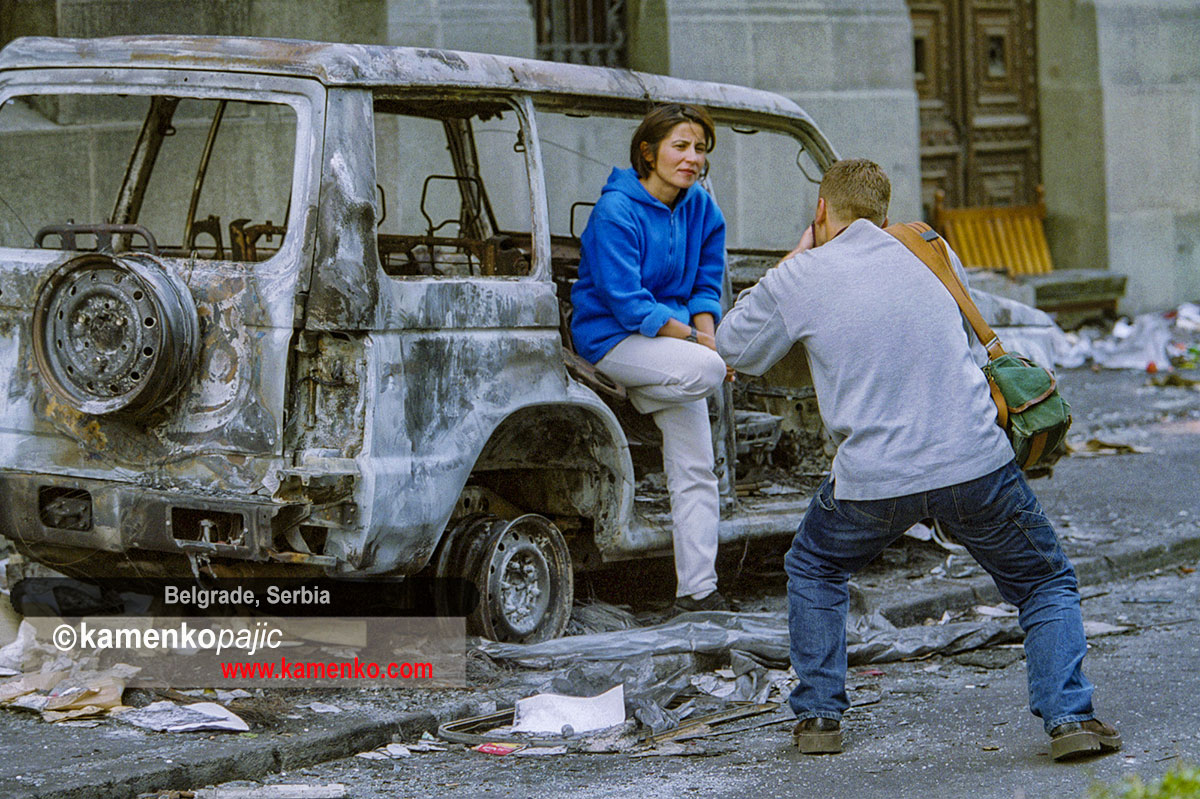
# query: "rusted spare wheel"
[[115, 334]]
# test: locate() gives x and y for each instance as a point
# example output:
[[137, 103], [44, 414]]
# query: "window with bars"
[[581, 31]]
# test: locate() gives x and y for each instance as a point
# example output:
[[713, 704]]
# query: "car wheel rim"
[[115, 335], [525, 581]]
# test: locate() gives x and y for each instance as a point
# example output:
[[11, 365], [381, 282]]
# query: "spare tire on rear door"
[[115, 334]]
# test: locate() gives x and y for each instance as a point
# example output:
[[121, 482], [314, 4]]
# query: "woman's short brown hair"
[[659, 122]]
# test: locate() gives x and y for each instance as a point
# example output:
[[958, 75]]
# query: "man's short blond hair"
[[855, 188]]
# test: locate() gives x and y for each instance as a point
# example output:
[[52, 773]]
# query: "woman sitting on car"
[[645, 308]]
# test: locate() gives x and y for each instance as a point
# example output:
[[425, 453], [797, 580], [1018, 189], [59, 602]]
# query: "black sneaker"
[[686, 604], [1079, 738], [818, 736]]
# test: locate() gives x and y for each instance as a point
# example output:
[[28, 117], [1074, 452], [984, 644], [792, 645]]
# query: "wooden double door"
[[976, 79]]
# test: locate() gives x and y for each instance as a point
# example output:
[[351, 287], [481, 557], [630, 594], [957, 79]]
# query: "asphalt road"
[[941, 727], [944, 727]]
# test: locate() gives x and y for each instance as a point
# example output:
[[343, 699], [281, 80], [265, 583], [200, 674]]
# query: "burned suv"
[[288, 308]]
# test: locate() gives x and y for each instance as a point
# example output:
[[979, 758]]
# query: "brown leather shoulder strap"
[[927, 245]]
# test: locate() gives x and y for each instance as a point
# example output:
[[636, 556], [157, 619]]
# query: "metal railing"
[[588, 32]]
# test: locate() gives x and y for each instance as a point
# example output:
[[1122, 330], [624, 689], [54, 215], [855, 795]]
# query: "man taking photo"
[[915, 426]]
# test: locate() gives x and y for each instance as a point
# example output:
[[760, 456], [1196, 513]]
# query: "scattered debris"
[[684, 749], [166, 716], [703, 726], [10, 620], [29, 684], [321, 707], [1174, 380], [775, 490], [621, 738], [651, 683], [496, 728], [747, 680], [541, 751], [864, 695], [748, 488], [100, 689], [14, 655], [570, 715], [1134, 345], [958, 566], [989, 658], [497, 748], [920, 532], [236, 693], [334, 791], [396, 751], [1096, 629], [945, 540], [1152, 342], [426, 743], [1095, 447], [1187, 317]]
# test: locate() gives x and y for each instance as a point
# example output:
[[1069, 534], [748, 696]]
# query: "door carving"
[[976, 78]]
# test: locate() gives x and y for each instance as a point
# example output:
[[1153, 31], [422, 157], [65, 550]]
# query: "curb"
[[242, 759], [958, 595]]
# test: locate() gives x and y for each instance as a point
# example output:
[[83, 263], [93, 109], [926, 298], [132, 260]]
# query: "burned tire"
[[115, 334], [522, 570], [526, 587], [455, 593]]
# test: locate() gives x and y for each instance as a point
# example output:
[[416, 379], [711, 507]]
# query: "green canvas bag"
[[1038, 416], [1029, 407]]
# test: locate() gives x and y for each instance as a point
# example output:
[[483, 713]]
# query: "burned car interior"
[[202, 178], [439, 219]]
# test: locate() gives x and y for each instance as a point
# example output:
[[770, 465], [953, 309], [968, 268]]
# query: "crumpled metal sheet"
[[763, 634], [871, 639]]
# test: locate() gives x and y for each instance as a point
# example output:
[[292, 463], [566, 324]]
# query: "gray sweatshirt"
[[899, 389]]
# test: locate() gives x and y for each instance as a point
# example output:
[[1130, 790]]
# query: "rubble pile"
[[1152, 342]]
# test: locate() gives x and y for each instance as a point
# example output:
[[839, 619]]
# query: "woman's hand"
[[704, 326]]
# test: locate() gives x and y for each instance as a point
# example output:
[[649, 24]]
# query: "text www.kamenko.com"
[[339, 670]]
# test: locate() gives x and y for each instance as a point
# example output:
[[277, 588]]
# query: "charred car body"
[[274, 307]]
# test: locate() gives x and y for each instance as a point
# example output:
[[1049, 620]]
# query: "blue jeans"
[[998, 519]]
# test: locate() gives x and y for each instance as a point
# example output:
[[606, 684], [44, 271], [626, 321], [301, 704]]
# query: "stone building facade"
[[1118, 90]]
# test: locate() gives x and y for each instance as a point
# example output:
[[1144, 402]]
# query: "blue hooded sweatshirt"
[[643, 263]]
